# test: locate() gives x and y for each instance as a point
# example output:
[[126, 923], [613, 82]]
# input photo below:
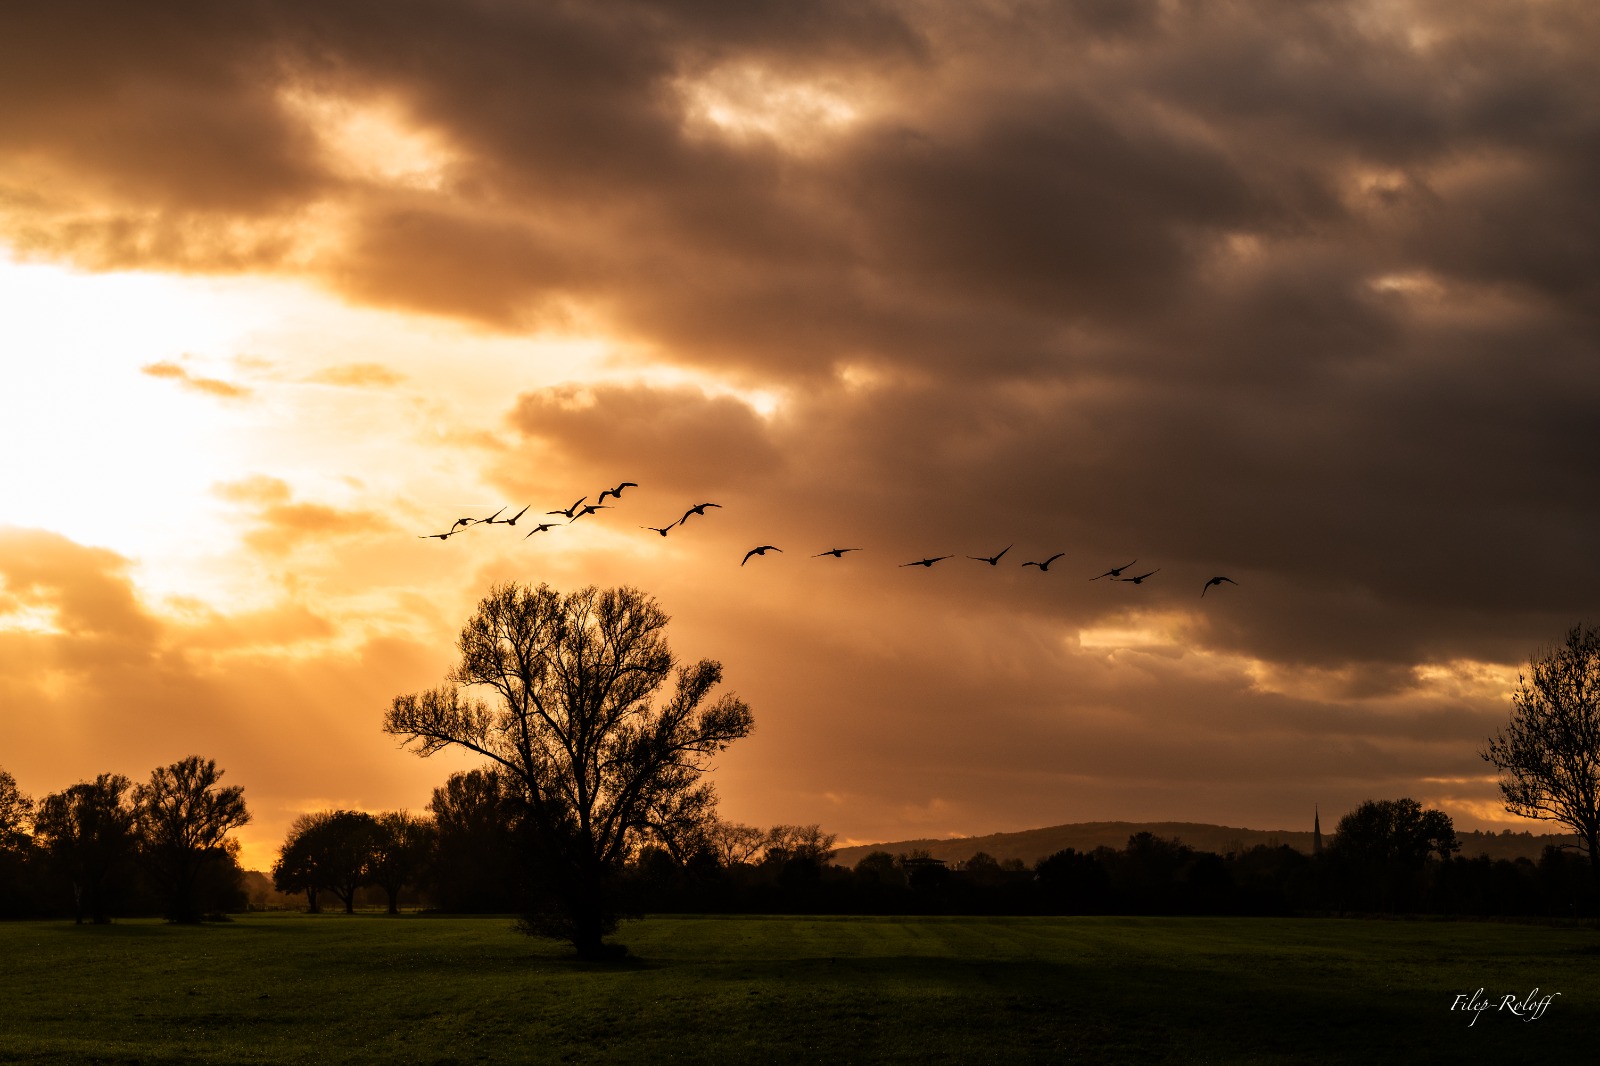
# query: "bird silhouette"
[[1046, 564], [1115, 572], [660, 529], [1141, 577], [589, 509], [763, 550], [929, 562], [440, 536], [513, 519], [1218, 580], [457, 522], [568, 512], [490, 520], [540, 528], [837, 553], [699, 509], [992, 560], [617, 492]]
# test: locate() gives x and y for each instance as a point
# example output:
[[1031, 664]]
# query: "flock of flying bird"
[[581, 508]]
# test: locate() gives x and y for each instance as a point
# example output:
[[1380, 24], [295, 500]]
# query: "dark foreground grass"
[[336, 989]]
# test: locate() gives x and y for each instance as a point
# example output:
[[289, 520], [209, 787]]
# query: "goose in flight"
[[490, 520], [837, 553], [1046, 564], [568, 512], [1218, 580], [992, 560], [763, 550], [699, 509], [929, 562], [617, 492], [1141, 577], [589, 509], [540, 528], [1114, 572], [456, 523], [509, 521], [660, 529], [440, 536]]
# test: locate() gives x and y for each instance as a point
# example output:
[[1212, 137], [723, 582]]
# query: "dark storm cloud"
[[1301, 293]]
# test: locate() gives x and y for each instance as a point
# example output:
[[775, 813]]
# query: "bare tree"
[[184, 818], [598, 765], [1549, 753]]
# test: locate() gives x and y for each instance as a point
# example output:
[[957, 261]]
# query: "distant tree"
[[1549, 753], [328, 850], [345, 847], [1395, 832], [184, 817], [575, 730], [16, 824], [16, 815], [481, 859], [404, 845], [797, 853], [879, 870], [1072, 881], [1380, 849], [735, 844], [296, 868], [87, 835]]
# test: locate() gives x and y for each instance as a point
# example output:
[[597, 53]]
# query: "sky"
[[1300, 294]]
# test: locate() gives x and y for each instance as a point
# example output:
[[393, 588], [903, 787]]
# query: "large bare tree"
[[1549, 754], [574, 722]]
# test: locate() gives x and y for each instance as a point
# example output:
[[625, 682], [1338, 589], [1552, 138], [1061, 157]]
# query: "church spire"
[[1316, 831]]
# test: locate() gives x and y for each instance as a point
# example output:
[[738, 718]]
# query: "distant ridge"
[[1031, 845]]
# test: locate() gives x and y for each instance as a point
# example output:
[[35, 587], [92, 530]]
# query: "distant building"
[[1316, 831]]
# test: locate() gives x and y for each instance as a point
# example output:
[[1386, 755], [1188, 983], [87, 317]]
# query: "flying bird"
[[589, 509], [490, 520], [1115, 572], [1141, 577], [1046, 564], [617, 492], [441, 536], [540, 528], [1219, 579], [699, 509], [513, 519], [660, 529], [569, 510], [763, 550], [929, 562], [992, 560], [837, 553], [457, 522]]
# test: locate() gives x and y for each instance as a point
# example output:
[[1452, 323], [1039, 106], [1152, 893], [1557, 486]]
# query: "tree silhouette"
[[1549, 753], [16, 815], [595, 761], [296, 868], [184, 817], [403, 846], [332, 850], [1382, 846], [87, 833]]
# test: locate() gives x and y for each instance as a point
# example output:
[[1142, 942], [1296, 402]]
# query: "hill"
[[1031, 845]]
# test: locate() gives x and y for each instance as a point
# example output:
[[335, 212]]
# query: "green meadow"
[[291, 988]]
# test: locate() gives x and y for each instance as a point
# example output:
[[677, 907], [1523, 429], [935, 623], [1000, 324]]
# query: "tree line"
[[109, 847], [591, 804], [477, 853]]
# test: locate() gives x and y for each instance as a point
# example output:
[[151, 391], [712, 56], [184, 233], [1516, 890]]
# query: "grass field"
[[284, 988]]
